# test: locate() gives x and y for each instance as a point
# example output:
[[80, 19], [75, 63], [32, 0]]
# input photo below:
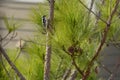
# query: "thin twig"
[[12, 37], [91, 7], [92, 12], [97, 19], [4, 37], [30, 41], [4, 67], [76, 66], [18, 54]]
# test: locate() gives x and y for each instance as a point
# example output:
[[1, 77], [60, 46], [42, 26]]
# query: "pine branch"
[[2, 51], [106, 30], [73, 61], [76, 66]]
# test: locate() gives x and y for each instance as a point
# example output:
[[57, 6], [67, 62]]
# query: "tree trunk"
[[48, 42], [47, 57]]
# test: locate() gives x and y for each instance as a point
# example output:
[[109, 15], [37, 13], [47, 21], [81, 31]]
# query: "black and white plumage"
[[44, 21]]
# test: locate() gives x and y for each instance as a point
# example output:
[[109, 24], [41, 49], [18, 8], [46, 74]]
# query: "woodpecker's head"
[[44, 16]]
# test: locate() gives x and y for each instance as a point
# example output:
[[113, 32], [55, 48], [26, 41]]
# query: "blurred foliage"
[[73, 29], [11, 25]]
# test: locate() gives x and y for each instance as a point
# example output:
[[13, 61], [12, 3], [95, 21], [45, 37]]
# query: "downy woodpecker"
[[44, 21]]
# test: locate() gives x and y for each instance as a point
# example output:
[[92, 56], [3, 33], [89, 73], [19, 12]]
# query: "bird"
[[44, 21]]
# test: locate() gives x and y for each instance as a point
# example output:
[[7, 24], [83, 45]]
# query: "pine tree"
[[80, 32]]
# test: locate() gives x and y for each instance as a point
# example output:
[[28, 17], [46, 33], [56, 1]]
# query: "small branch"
[[90, 9], [104, 37], [99, 13], [2, 51], [63, 48], [4, 37], [12, 37], [18, 55], [20, 46], [76, 66], [97, 19], [73, 61], [92, 12], [4, 67], [91, 6]]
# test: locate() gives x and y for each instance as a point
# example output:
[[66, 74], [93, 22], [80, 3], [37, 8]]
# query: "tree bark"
[[73, 75], [47, 58], [48, 42], [2, 51]]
